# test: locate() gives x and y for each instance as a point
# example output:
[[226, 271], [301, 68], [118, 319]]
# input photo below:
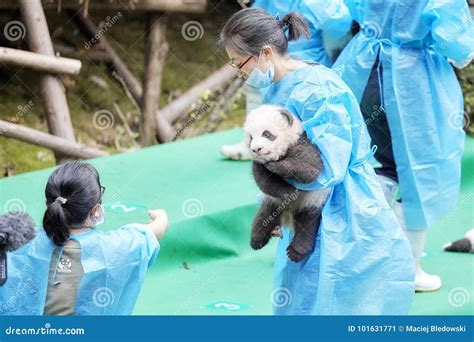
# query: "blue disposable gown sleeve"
[[452, 28], [146, 239], [331, 17], [327, 124]]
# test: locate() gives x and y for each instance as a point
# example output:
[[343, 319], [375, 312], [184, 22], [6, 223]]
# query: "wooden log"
[[186, 6], [125, 124], [89, 55], [35, 61], [165, 132], [63, 146], [179, 107], [224, 105], [127, 91], [162, 127], [156, 49], [87, 26], [52, 92], [215, 110]]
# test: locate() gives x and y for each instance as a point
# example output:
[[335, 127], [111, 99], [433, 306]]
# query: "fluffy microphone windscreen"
[[19, 228]]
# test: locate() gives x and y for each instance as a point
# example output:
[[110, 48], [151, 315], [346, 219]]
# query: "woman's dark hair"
[[78, 187], [250, 29]]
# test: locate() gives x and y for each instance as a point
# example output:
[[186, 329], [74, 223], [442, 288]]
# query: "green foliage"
[[187, 63]]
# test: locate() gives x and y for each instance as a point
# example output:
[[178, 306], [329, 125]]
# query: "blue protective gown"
[[114, 262], [420, 93], [362, 262], [332, 17]]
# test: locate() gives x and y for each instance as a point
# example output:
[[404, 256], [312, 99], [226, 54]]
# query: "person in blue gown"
[[72, 268], [329, 23], [361, 262], [330, 17], [398, 67]]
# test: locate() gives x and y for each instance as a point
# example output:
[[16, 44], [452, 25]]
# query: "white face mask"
[[258, 79], [98, 218]]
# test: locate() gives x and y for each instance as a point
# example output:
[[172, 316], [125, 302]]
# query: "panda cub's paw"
[[294, 255], [297, 252], [258, 242]]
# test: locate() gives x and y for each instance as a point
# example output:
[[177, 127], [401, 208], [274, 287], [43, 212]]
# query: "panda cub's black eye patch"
[[267, 135]]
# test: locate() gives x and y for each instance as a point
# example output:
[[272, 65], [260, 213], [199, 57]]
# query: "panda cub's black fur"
[[280, 149], [464, 245]]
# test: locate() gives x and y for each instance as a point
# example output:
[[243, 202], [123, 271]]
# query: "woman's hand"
[[159, 222], [277, 233]]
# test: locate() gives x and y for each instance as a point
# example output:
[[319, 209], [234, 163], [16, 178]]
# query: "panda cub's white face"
[[270, 131]]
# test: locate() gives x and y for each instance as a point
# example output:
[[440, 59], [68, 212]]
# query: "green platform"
[[206, 265]]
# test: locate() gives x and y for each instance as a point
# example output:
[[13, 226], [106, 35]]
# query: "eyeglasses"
[[102, 190], [241, 65]]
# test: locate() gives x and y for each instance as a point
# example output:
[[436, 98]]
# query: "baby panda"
[[464, 245], [280, 149]]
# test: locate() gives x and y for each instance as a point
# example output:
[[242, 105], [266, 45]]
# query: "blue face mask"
[[258, 79]]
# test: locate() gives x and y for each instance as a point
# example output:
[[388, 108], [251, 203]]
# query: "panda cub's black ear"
[[287, 115]]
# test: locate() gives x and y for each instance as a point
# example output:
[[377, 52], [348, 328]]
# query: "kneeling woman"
[[70, 268], [361, 263]]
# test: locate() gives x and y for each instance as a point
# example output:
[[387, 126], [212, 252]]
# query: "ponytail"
[[54, 223], [297, 26], [249, 29], [72, 191]]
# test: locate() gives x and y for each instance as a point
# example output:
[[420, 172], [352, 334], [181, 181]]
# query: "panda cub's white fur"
[[269, 118], [464, 245]]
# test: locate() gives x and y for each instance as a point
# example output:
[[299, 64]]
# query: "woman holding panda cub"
[[361, 262]]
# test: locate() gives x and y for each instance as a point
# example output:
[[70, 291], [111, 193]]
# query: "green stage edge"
[[206, 266]]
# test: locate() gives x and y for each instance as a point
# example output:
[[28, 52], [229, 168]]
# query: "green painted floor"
[[206, 265]]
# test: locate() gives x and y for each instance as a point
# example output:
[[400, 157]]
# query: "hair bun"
[[285, 22]]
